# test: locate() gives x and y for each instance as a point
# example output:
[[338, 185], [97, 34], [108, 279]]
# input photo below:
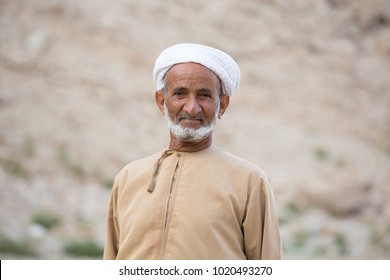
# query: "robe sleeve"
[[260, 226], [112, 229]]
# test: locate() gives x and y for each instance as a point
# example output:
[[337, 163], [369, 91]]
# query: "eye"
[[205, 95], [179, 92]]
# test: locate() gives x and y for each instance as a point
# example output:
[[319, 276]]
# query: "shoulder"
[[142, 162], [137, 168], [237, 165], [225, 157], [252, 174]]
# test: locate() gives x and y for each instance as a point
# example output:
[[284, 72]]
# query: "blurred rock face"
[[76, 104]]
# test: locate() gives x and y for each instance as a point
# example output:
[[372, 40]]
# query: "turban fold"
[[222, 64]]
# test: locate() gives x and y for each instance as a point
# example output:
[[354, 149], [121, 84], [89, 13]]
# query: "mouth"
[[190, 119], [191, 122]]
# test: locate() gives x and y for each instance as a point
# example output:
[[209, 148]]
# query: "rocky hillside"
[[76, 104]]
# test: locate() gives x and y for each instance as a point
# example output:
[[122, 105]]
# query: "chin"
[[191, 135]]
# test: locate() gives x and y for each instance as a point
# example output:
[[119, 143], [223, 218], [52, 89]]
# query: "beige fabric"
[[202, 205]]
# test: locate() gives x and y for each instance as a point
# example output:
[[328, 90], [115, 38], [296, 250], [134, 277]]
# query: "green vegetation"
[[108, 183], [321, 154], [85, 248], [340, 241], [10, 246], [46, 219], [15, 168], [300, 238], [73, 166]]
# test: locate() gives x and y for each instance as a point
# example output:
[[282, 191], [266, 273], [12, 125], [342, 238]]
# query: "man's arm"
[[261, 228], [112, 229]]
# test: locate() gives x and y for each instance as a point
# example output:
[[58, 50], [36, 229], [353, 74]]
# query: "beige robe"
[[202, 205]]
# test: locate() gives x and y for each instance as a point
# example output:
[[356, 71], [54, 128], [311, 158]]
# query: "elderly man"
[[193, 200]]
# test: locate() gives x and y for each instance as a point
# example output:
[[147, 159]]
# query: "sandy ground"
[[76, 104]]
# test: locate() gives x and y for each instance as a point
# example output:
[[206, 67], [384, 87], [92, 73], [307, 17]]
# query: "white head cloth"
[[222, 64]]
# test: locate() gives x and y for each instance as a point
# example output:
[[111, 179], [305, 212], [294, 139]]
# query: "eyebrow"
[[198, 91], [179, 89]]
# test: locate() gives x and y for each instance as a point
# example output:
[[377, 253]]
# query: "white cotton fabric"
[[222, 64]]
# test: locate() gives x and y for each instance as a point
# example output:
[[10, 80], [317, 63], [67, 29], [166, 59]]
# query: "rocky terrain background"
[[77, 103]]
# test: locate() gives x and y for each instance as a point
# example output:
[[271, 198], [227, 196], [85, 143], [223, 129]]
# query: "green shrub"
[[108, 184], [85, 248], [10, 246], [15, 168], [45, 219], [340, 241], [71, 164], [300, 238], [321, 154]]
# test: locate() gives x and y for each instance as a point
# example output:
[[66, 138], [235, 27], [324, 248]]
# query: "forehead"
[[192, 73]]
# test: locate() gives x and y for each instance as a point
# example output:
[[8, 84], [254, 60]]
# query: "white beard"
[[190, 134]]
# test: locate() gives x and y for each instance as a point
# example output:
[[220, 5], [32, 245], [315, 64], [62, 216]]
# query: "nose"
[[192, 106]]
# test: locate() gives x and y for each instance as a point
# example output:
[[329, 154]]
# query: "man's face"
[[192, 101]]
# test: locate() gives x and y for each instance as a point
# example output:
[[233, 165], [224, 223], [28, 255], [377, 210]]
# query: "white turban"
[[222, 64]]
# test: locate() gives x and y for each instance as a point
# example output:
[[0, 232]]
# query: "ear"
[[224, 101], [160, 99]]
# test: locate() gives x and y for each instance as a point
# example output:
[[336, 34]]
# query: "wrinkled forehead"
[[191, 71]]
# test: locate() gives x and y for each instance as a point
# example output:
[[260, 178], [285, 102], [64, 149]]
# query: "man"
[[193, 200]]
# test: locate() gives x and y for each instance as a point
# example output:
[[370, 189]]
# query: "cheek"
[[210, 111], [173, 108]]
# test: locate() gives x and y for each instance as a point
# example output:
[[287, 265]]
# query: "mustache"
[[183, 115]]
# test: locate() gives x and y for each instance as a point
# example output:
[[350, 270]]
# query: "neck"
[[186, 146]]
